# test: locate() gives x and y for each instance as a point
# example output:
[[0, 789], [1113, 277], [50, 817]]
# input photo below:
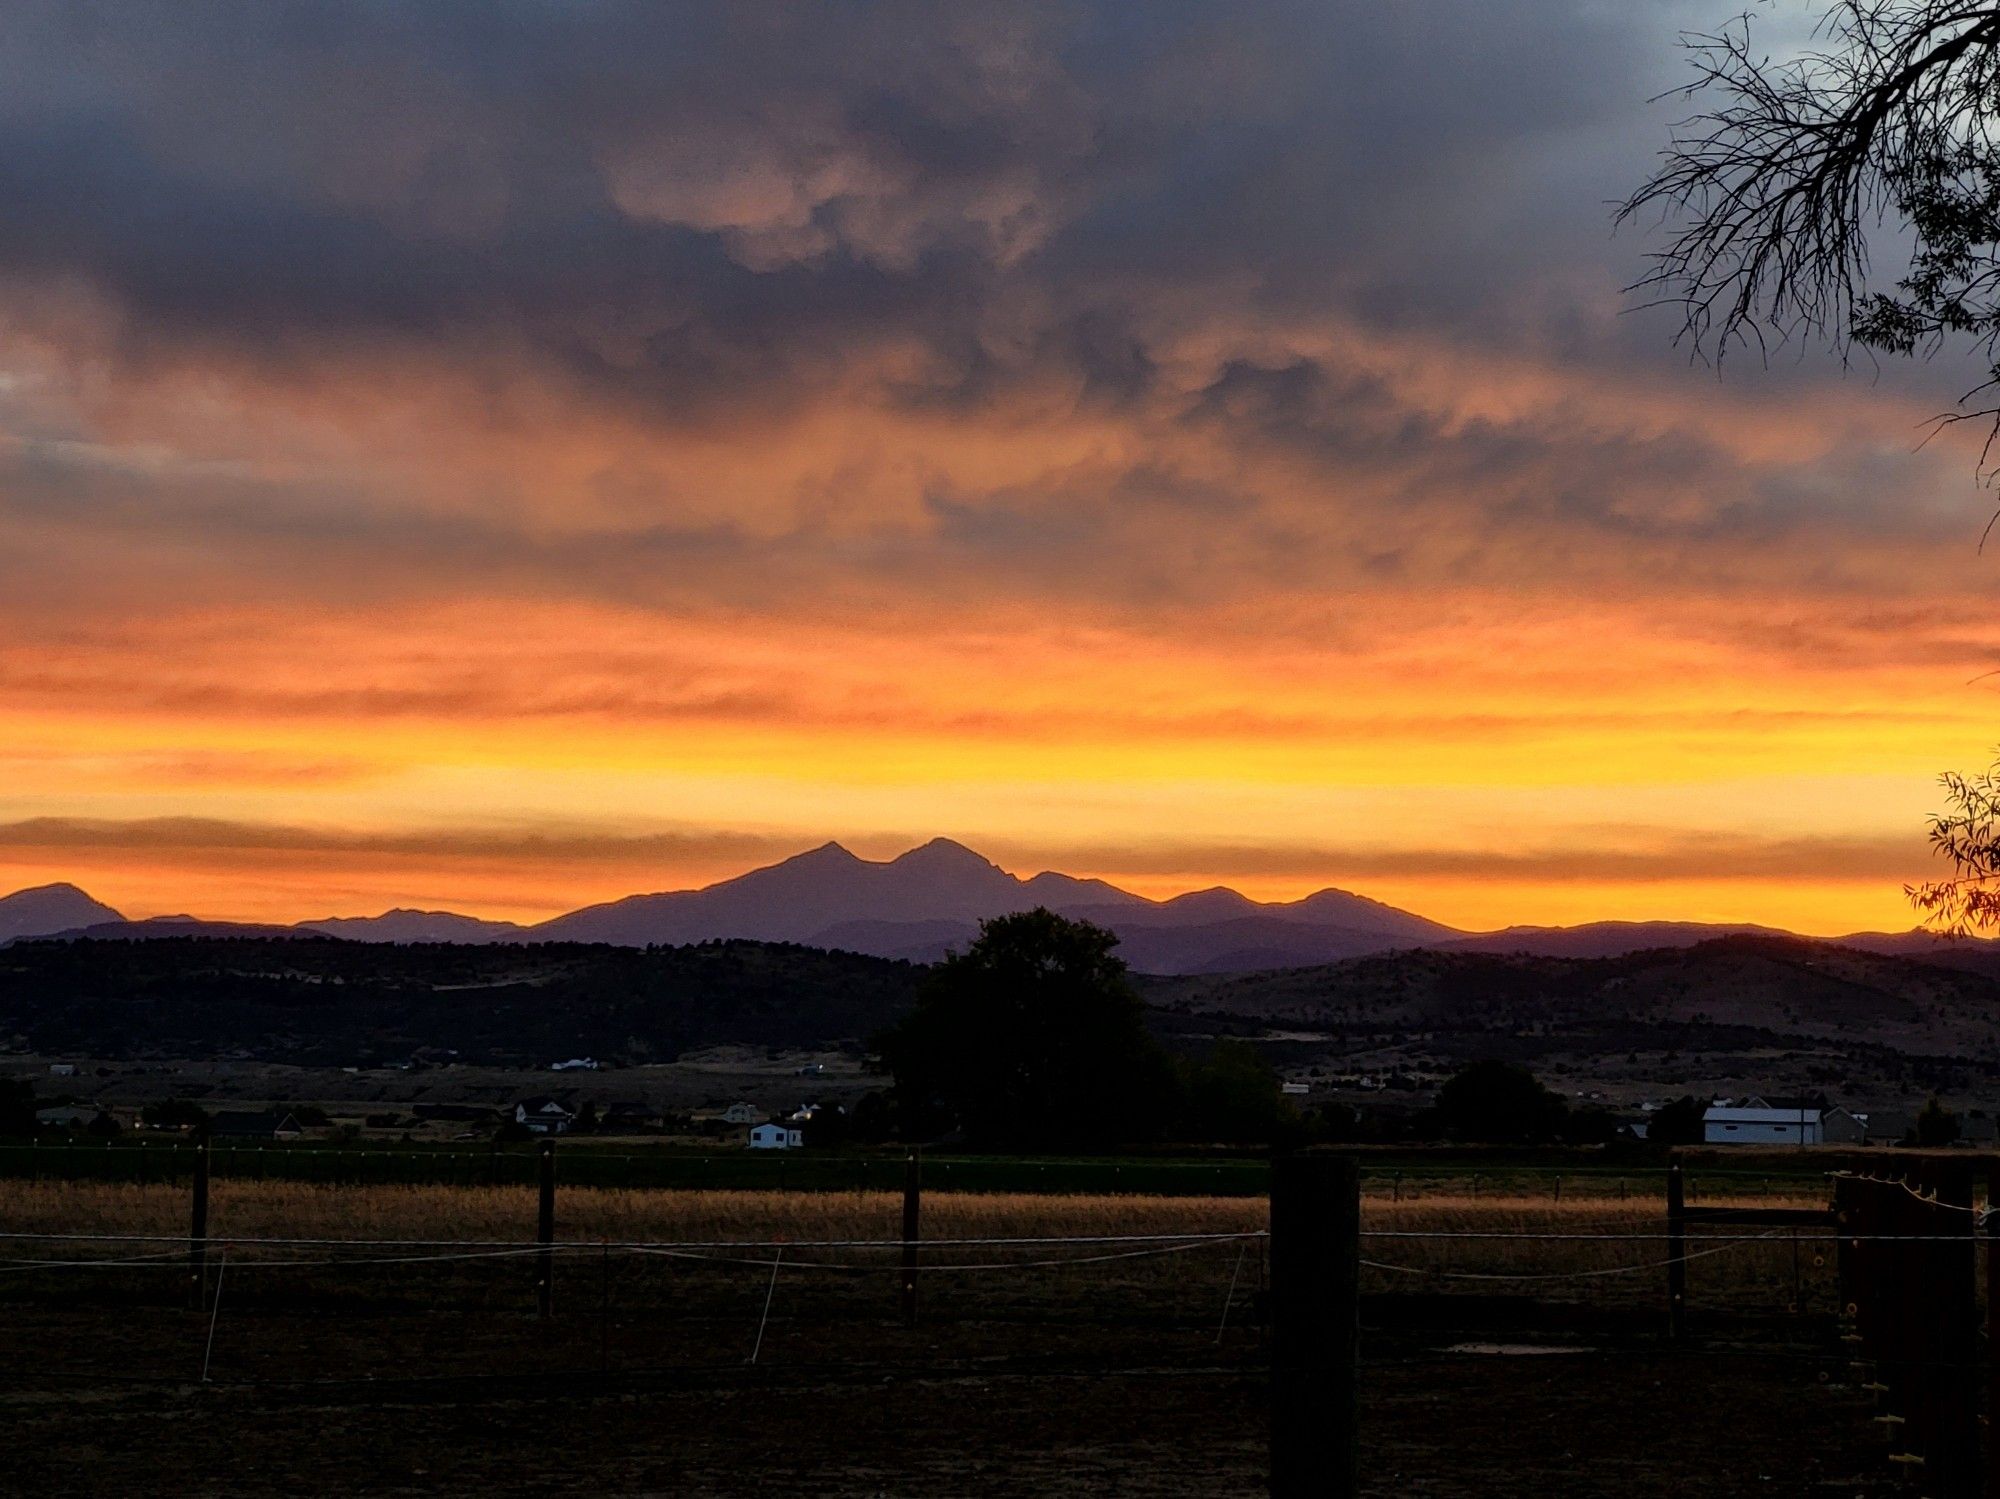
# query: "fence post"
[[545, 1232], [1315, 1326], [198, 1228], [1677, 1270], [912, 1227], [1988, 1222]]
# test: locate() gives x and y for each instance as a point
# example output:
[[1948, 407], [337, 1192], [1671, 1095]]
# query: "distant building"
[[62, 1069], [544, 1116], [1296, 1090], [575, 1064], [1843, 1127], [775, 1137], [1758, 1121], [742, 1113], [65, 1117]]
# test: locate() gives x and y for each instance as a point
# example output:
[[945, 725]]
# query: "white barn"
[[1758, 1123], [776, 1137]]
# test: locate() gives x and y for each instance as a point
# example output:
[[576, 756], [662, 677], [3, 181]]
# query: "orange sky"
[[601, 474]]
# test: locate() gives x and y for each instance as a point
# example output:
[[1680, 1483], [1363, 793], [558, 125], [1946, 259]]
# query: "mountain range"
[[931, 899]]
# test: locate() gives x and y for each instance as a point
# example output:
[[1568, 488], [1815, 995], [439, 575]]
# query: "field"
[[1136, 1367]]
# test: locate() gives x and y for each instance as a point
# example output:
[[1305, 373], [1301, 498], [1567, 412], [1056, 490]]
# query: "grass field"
[[1056, 1370], [1617, 1242]]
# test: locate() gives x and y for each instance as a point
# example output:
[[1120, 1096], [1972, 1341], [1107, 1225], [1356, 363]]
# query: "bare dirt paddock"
[[1034, 1370]]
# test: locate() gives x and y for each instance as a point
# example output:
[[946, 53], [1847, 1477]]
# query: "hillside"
[[1785, 1008], [329, 1003]]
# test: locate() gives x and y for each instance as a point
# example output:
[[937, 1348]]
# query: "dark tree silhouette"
[[1032, 1038], [1935, 1126], [17, 1107], [1968, 836], [1884, 131], [1499, 1103], [1885, 135], [1677, 1123]]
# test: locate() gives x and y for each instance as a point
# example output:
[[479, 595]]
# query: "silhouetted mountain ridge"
[[930, 900]]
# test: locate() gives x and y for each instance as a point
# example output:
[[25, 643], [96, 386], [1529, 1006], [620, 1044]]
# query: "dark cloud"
[[1224, 234]]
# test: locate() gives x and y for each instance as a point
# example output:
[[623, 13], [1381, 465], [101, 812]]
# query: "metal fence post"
[[912, 1228], [198, 1228], [1677, 1270], [545, 1232]]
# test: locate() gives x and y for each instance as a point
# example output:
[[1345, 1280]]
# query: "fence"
[[1289, 1297]]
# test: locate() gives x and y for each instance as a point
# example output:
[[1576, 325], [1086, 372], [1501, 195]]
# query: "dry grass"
[[1616, 1254], [300, 1210]]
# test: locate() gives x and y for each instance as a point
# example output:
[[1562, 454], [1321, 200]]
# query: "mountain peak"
[[46, 909], [940, 854]]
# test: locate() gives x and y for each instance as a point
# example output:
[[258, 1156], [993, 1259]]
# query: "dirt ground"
[[640, 1385]]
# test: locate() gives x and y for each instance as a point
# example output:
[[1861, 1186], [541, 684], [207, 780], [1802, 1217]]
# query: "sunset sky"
[[501, 457]]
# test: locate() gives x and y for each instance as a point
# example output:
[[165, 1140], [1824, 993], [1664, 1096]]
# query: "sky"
[[504, 457]]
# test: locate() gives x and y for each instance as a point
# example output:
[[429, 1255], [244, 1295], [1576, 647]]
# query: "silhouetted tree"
[[1936, 1125], [1890, 128], [174, 1113], [1498, 1103], [1968, 837], [1776, 184], [104, 1125], [1677, 1123], [1032, 1038], [1231, 1096], [17, 1108]]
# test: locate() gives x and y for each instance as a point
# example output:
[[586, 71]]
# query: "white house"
[[742, 1113], [1756, 1122], [543, 1116], [62, 1069], [775, 1137]]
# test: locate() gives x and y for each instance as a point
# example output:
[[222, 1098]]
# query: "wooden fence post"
[[198, 1228], [912, 1227], [1992, 1332], [545, 1233], [1677, 1270], [1315, 1326]]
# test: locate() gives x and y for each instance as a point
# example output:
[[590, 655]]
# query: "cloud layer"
[[1141, 436]]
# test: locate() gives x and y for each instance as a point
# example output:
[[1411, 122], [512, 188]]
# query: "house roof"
[[1720, 1114], [543, 1104]]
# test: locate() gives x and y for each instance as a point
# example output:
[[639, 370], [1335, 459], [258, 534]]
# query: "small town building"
[[742, 1113], [575, 1064], [775, 1137], [1757, 1121], [64, 1116], [62, 1069], [544, 1116], [1841, 1126]]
